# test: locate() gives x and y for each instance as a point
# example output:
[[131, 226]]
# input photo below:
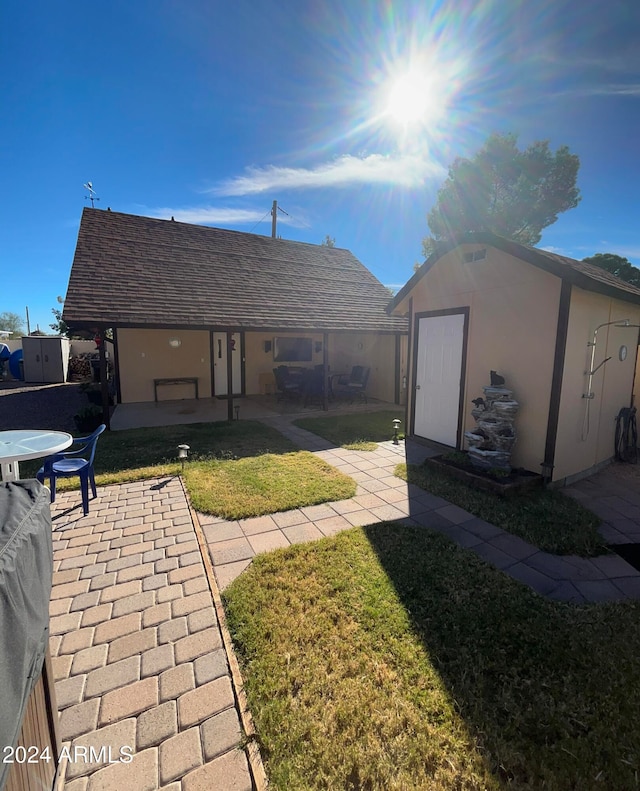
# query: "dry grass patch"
[[391, 659], [265, 484]]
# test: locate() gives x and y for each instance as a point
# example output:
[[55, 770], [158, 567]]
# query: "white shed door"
[[439, 377]]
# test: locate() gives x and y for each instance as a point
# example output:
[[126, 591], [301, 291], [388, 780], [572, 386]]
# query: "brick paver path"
[[136, 647]]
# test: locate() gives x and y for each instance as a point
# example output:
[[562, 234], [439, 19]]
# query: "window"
[[476, 255]]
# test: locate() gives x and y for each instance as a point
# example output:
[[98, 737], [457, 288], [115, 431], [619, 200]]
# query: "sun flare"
[[415, 98]]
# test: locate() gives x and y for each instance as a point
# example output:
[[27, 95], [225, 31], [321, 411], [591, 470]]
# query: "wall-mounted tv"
[[292, 350]]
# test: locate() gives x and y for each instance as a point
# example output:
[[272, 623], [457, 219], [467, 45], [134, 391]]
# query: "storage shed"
[[563, 334]]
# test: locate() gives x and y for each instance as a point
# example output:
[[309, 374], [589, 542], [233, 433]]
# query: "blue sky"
[[209, 111]]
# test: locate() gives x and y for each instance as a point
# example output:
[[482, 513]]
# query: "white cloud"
[[606, 89], [405, 171], [205, 215], [557, 250]]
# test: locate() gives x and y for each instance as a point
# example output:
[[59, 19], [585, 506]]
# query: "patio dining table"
[[23, 444]]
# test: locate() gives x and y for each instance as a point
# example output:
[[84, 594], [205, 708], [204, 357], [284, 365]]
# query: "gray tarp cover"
[[26, 566]]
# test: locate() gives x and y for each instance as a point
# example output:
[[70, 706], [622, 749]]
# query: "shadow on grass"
[[551, 691]]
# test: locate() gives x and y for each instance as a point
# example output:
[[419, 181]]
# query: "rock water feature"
[[491, 442]]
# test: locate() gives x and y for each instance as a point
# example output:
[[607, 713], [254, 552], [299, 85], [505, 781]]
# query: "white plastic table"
[[16, 446]]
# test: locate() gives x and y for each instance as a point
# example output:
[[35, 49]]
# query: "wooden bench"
[[175, 380]]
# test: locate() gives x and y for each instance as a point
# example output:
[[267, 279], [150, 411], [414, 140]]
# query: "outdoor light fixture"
[[396, 426], [175, 343], [183, 452]]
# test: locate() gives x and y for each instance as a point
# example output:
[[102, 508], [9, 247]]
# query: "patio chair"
[[70, 463], [287, 385], [355, 385], [313, 386]]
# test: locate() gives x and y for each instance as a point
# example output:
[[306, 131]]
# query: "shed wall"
[[586, 427], [512, 329]]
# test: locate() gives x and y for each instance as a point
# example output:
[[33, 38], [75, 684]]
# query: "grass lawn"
[[264, 484], [235, 470], [356, 431], [545, 518], [136, 454], [389, 659]]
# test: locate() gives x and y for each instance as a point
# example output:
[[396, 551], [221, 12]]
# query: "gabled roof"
[[144, 272], [579, 273]]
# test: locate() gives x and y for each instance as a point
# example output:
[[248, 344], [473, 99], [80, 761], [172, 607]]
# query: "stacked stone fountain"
[[491, 442]]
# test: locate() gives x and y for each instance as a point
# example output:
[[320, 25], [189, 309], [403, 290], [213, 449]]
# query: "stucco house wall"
[[145, 355]]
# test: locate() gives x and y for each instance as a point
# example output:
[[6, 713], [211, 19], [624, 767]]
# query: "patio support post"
[[104, 385], [229, 378], [325, 371]]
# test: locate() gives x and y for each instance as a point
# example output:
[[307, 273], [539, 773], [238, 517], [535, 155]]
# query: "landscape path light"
[[396, 428], [183, 453]]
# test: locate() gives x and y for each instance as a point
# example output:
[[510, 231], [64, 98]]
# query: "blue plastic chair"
[[70, 463]]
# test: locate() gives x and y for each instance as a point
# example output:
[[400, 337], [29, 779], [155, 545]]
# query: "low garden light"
[[183, 453], [396, 428]]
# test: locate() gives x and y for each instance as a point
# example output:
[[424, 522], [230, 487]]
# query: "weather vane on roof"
[[92, 193]]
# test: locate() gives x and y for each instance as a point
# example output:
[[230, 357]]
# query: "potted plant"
[[93, 391], [88, 418]]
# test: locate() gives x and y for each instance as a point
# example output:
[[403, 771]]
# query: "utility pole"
[[274, 217]]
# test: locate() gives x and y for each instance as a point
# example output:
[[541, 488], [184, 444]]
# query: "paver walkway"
[[383, 497], [137, 649]]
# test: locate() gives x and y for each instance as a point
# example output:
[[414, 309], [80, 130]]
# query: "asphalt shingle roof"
[[140, 271]]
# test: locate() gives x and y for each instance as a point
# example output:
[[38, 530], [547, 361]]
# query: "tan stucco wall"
[[513, 309], [581, 445], [145, 355]]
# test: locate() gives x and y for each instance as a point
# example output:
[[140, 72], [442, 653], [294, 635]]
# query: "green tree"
[[12, 322], [513, 193], [59, 326], [328, 241], [617, 265]]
